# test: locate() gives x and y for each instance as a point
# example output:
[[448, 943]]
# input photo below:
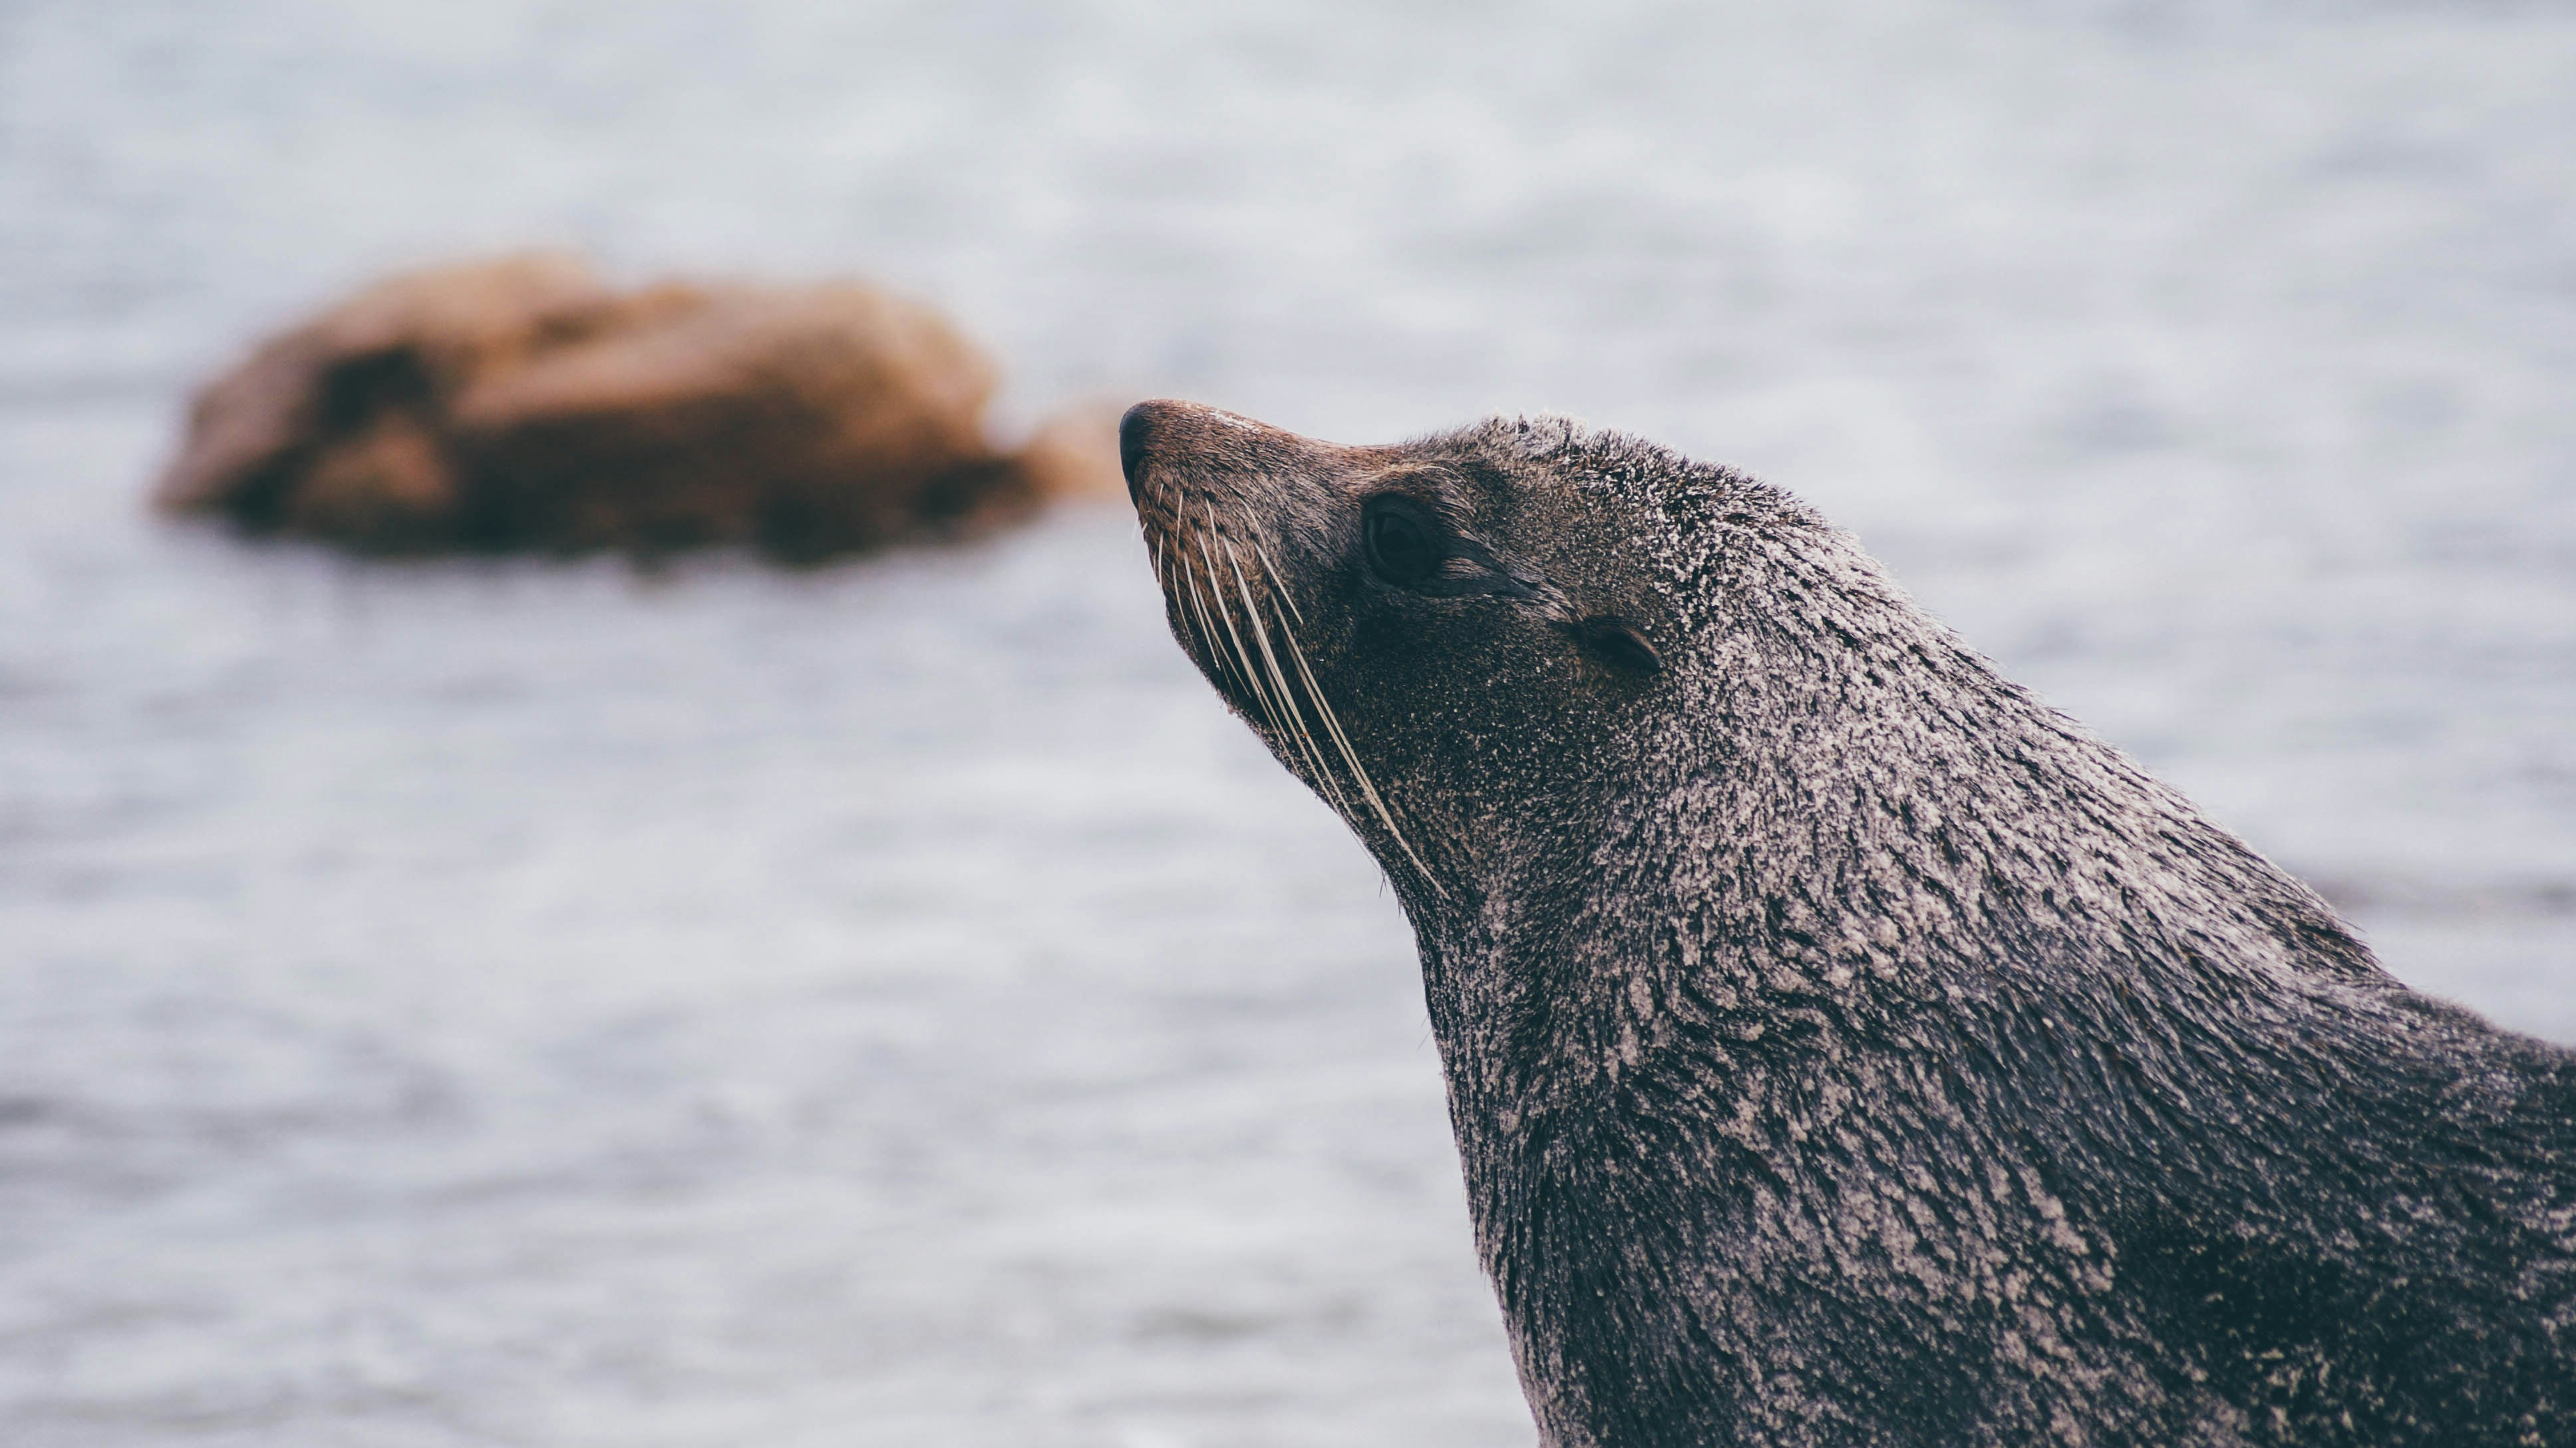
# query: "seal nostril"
[[1135, 434]]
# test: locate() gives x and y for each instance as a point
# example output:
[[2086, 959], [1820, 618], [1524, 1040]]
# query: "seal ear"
[[1616, 642]]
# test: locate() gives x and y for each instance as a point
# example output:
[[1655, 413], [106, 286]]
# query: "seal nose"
[[1135, 435]]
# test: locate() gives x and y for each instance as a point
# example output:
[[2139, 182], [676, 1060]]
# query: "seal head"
[[1842, 1046], [1454, 604]]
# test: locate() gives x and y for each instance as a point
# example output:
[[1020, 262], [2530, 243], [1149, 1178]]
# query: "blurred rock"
[[1075, 455], [522, 404]]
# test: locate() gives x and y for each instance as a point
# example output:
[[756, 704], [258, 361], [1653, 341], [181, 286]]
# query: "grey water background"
[[531, 1003]]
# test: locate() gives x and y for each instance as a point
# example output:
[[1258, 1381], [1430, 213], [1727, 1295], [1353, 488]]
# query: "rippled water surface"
[[541, 1004]]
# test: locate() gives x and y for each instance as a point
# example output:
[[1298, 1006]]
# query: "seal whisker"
[[1323, 771], [1186, 591], [1351, 757], [1207, 629], [1278, 584], [1261, 635], [1251, 623], [1299, 729], [1196, 614], [1207, 626], [1163, 574], [1203, 627], [1243, 656], [1279, 597]]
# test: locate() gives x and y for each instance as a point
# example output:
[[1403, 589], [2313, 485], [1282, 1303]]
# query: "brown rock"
[[1075, 455], [386, 483], [522, 404]]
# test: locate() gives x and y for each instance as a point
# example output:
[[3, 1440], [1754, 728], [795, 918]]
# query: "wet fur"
[[1845, 1048]]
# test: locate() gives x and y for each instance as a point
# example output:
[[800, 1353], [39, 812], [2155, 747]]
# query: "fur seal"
[[1842, 1046]]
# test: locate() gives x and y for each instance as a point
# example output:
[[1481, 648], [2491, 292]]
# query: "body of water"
[[538, 1003]]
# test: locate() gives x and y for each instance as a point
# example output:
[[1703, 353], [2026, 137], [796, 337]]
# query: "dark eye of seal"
[[1402, 547], [1616, 641]]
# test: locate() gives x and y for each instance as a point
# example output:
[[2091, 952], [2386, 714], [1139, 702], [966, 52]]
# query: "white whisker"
[[1278, 583], [1207, 627], [1350, 756], [1267, 683], [1303, 736], [1243, 656], [1216, 586]]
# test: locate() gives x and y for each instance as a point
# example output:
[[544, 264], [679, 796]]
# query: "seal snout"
[[1135, 439], [1154, 429], [1164, 431]]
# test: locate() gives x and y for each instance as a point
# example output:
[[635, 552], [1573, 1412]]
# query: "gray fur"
[[1843, 1047]]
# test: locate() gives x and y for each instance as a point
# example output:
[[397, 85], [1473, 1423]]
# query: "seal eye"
[[1401, 546], [1615, 641]]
